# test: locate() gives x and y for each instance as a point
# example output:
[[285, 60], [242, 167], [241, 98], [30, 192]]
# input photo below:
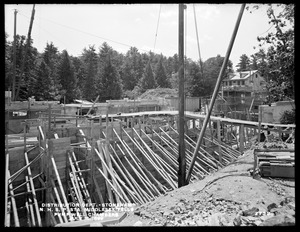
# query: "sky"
[[154, 27]]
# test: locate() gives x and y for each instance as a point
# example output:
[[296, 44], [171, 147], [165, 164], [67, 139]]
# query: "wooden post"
[[259, 123], [49, 122], [25, 136], [219, 139], [242, 138], [181, 106], [6, 181], [100, 127]]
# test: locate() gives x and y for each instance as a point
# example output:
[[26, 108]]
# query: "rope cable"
[[157, 28], [198, 40], [84, 32]]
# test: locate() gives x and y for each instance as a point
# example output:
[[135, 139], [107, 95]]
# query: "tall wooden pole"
[[181, 149], [216, 90], [14, 58], [25, 55]]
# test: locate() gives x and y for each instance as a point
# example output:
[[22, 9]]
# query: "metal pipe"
[[212, 101]]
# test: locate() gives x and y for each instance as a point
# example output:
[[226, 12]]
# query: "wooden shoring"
[[60, 184], [58, 200], [134, 183], [143, 170], [189, 157], [81, 179], [76, 185], [234, 153], [167, 154], [98, 190], [105, 171], [136, 195], [175, 148], [113, 181], [162, 169], [108, 162], [115, 178], [111, 185], [143, 182], [13, 202], [7, 212], [163, 151], [151, 161], [142, 175], [17, 173], [207, 156], [30, 204], [6, 185], [58, 214], [128, 190], [33, 192], [74, 199]]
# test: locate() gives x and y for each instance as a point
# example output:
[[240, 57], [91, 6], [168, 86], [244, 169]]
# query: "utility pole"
[[26, 51], [181, 149], [14, 57]]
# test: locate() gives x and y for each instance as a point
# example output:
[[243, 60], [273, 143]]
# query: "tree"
[[110, 84], [67, 77], [160, 75], [128, 76], [244, 64], [280, 53], [196, 88], [147, 81], [89, 77], [44, 88]]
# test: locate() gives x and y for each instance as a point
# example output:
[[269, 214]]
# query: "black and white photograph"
[[149, 115]]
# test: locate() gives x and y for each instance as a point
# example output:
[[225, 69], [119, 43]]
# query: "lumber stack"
[[275, 162]]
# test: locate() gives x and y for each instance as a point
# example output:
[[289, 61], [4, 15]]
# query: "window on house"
[[243, 83], [238, 82]]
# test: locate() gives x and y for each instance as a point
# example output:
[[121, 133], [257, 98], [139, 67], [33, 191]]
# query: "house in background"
[[242, 92]]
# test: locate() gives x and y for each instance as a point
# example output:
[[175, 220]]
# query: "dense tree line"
[[55, 75]]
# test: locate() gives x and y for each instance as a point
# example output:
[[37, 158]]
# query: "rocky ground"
[[229, 197]]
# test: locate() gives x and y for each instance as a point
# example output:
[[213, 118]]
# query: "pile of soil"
[[159, 93], [228, 197]]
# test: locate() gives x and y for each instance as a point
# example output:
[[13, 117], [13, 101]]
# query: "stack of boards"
[[275, 163]]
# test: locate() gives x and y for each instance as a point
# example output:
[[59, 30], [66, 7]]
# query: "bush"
[[288, 117]]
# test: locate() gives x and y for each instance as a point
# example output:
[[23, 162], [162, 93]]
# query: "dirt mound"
[[229, 197], [159, 93]]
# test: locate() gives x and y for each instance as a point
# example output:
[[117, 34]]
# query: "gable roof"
[[241, 75]]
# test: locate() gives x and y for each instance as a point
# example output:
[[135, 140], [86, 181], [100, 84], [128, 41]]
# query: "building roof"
[[241, 75]]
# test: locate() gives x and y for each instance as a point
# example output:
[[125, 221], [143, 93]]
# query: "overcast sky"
[[76, 26]]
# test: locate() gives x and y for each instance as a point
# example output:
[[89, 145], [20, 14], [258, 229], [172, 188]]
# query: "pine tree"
[[160, 75], [128, 76], [147, 81], [90, 60], [244, 64], [67, 77], [110, 83]]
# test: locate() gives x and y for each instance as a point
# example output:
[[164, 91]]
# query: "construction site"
[[170, 161], [73, 168]]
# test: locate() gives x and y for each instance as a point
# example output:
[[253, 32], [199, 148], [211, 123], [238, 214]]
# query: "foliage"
[[244, 63], [109, 85], [160, 75], [288, 117], [280, 66], [147, 81], [66, 77]]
